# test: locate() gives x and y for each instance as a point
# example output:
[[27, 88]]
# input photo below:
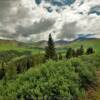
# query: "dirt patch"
[[93, 93]]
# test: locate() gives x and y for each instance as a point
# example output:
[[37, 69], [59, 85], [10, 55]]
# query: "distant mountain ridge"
[[43, 43], [80, 37]]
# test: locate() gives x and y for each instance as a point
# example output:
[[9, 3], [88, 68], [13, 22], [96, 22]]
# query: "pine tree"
[[90, 51], [50, 49], [81, 50], [60, 57], [70, 53]]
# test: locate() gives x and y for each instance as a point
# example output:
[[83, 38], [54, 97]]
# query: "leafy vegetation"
[[27, 72], [13, 62], [57, 80]]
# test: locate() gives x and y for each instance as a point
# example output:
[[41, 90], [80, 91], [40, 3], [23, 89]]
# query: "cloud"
[[25, 20], [6, 7], [38, 27], [95, 10], [69, 30]]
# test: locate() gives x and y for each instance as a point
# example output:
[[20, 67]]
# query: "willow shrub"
[[58, 80]]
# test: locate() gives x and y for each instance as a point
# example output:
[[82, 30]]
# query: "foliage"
[[90, 51], [50, 52], [80, 51], [70, 53], [54, 79], [60, 57], [14, 62]]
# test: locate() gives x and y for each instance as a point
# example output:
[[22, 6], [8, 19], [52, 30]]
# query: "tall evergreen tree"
[[90, 51], [60, 57], [70, 53], [80, 51], [50, 49]]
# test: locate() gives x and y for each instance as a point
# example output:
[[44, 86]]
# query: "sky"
[[34, 20]]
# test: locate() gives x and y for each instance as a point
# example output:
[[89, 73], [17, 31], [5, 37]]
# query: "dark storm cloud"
[[69, 30], [95, 10], [38, 27]]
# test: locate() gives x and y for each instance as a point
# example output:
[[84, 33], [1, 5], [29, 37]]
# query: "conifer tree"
[[60, 56], [70, 53], [90, 51], [81, 50], [50, 49]]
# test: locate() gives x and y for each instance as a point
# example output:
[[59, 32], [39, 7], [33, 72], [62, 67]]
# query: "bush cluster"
[[14, 62], [78, 52], [56, 80]]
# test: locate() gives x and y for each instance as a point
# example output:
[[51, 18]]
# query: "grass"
[[6, 47], [95, 43]]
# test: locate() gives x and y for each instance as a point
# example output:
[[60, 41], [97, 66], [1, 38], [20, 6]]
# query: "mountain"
[[43, 43], [59, 43], [85, 37]]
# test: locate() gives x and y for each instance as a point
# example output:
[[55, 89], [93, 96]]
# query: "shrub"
[[55, 80]]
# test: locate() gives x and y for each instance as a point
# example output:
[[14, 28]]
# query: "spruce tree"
[[90, 51], [60, 57], [81, 50], [70, 53], [50, 49]]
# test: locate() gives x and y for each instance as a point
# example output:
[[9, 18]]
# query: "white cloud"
[[17, 18]]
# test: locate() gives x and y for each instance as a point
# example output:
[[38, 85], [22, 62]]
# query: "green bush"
[[57, 80]]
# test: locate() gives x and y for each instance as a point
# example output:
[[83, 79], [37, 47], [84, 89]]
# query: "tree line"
[[50, 52]]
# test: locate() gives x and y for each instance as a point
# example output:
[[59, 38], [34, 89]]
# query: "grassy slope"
[[95, 43], [14, 45]]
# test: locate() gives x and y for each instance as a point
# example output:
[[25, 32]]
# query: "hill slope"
[[95, 43]]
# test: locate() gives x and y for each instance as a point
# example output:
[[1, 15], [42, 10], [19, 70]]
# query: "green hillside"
[[25, 73], [14, 45], [6, 45], [95, 43]]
